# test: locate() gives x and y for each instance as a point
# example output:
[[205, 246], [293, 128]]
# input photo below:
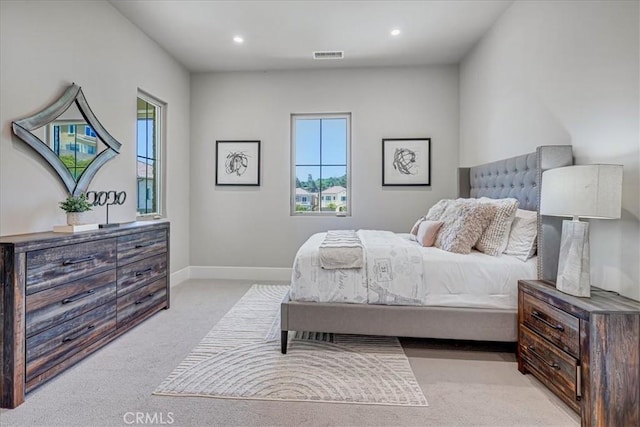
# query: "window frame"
[[158, 187], [292, 190]]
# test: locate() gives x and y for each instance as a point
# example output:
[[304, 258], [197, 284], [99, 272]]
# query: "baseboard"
[[180, 276], [241, 273]]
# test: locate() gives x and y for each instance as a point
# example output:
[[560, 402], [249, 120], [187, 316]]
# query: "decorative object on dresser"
[[65, 296], [586, 351], [76, 208], [70, 138], [587, 191], [406, 161], [107, 198]]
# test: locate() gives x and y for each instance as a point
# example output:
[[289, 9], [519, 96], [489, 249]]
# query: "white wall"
[[45, 46], [564, 72], [252, 226]]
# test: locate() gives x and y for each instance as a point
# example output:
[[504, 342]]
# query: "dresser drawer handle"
[[77, 297], [78, 335], [146, 270], [537, 316], [78, 260], [140, 301], [533, 351], [143, 245]]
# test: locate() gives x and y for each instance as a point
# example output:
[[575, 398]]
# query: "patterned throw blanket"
[[341, 249]]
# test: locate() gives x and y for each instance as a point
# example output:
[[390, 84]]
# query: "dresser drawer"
[[56, 305], [137, 274], [141, 301], [554, 367], [52, 346], [557, 326], [51, 267], [134, 247]]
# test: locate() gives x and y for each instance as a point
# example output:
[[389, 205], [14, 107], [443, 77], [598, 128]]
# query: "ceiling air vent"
[[329, 54]]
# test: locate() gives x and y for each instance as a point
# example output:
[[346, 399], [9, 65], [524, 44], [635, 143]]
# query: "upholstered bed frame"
[[518, 177]]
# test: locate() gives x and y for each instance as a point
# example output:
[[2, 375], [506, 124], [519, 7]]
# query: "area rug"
[[240, 359]]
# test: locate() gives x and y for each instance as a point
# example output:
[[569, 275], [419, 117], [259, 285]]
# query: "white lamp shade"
[[585, 191]]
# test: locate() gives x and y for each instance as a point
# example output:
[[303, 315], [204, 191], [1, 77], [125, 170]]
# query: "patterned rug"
[[240, 359]]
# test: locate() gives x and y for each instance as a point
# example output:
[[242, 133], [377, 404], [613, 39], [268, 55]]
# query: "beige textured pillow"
[[464, 221], [427, 232], [438, 209], [495, 237]]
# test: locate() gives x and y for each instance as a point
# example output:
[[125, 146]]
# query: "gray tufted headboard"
[[519, 177]]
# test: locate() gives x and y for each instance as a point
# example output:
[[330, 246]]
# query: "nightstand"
[[585, 350]]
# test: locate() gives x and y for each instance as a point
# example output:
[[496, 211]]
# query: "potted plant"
[[75, 207]]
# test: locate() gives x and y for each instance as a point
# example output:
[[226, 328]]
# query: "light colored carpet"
[[240, 358], [466, 386]]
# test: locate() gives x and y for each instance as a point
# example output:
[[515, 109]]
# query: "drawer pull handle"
[[140, 301], [537, 316], [552, 365], [77, 297], [146, 270], [143, 245], [78, 260], [78, 335]]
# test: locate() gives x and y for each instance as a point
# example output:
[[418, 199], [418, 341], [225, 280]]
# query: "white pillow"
[[427, 232], [495, 237], [414, 229], [523, 237]]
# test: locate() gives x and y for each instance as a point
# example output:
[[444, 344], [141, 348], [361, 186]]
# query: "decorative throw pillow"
[[523, 237], [414, 229], [464, 221], [438, 209], [427, 232], [495, 237]]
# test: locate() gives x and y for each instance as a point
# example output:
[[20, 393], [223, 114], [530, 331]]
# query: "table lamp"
[[581, 191]]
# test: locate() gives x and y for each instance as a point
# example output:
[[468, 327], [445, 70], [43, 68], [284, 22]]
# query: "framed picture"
[[406, 161], [237, 162]]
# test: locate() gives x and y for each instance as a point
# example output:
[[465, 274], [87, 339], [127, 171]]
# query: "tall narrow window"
[[148, 133], [320, 152]]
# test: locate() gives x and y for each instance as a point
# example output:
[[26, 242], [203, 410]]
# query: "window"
[[148, 138], [320, 152]]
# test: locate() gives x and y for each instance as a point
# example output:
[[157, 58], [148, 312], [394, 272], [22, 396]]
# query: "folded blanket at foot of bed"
[[341, 249]]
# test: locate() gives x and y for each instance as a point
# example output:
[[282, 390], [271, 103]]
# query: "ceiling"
[[281, 35]]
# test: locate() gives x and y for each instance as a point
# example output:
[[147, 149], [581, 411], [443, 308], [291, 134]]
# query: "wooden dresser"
[[66, 295], [585, 350]]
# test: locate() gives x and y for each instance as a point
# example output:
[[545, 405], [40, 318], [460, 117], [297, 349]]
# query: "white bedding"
[[448, 279]]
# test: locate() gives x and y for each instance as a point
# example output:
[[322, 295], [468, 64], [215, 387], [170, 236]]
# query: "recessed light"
[[238, 39], [395, 32]]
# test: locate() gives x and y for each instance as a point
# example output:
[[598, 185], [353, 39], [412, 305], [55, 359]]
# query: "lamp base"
[[574, 276]]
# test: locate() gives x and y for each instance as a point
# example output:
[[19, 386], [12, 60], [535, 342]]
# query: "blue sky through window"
[[311, 154]]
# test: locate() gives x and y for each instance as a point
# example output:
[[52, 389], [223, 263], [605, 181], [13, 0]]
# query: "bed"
[[447, 316]]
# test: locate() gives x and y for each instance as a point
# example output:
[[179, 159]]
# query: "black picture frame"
[[238, 162], [406, 162]]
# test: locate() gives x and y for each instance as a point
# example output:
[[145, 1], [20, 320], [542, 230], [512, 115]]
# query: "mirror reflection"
[[70, 138]]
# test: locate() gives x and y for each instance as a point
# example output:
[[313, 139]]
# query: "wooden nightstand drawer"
[[555, 368], [52, 346], [557, 326], [56, 305], [135, 247], [47, 268]]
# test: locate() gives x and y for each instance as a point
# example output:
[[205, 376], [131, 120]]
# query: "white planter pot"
[[77, 218]]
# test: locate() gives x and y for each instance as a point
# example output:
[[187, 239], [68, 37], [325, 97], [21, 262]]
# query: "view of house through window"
[[320, 145], [148, 145]]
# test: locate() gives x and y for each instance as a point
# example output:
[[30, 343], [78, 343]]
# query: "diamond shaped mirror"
[[70, 138]]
